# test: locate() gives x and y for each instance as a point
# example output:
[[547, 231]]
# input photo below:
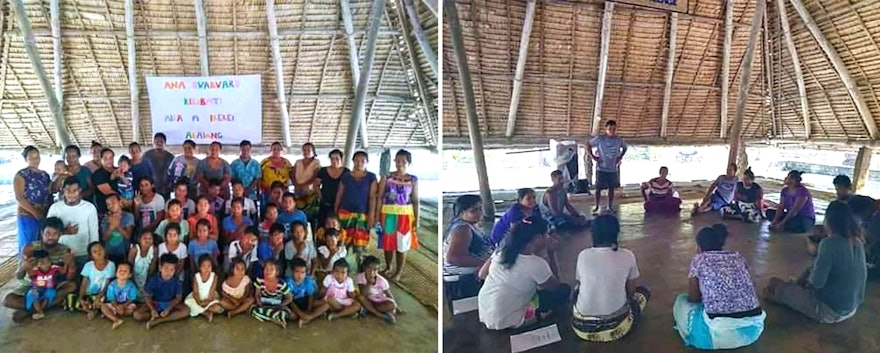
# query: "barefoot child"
[[121, 295], [272, 296], [204, 300], [375, 293], [163, 295], [43, 283], [96, 274], [339, 292], [172, 245], [303, 288], [143, 256], [329, 254], [236, 294]]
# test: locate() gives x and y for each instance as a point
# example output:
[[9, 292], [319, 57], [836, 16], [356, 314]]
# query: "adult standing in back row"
[[610, 150], [160, 159]]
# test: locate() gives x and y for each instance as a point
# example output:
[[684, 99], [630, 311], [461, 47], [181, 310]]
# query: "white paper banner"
[[206, 109], [534, 339]]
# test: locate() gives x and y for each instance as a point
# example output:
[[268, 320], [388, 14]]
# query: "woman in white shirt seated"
[[608, 301], [520, 287]]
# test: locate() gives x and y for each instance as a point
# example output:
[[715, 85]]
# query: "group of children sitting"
[[188, 264]]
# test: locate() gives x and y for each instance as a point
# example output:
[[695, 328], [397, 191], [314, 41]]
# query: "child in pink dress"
[[339, 292], [375, 292]]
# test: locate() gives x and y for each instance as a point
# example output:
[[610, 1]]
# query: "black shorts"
[[302, 303], [607, 180]]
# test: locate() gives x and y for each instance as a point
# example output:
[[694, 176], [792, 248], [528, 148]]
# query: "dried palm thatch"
[[560, 80], [313, 48]]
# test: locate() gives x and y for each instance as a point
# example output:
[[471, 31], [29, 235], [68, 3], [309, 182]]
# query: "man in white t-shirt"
[[80, 221]]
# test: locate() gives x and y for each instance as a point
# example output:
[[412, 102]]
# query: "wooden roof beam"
[[476, 139], [132, 70], [840, 67], [57, 50], [670, 71], [202, 26], [30, 45], [357, 111], [520, 67], [279, 72], [354, 61], [432, 6], [796, 63], [426, 123], [241, 35], [417, 30], [603, 65], [744, 82], [725, 65]]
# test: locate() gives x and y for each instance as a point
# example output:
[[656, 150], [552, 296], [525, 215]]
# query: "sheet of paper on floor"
[[534, 339], [465, 305]]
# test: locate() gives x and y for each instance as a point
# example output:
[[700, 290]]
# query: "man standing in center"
[[160, 160], [610, 150]]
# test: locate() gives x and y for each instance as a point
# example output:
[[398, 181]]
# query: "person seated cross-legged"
[[557, 208], [659, 194]]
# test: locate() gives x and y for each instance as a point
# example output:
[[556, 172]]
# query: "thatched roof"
[[313, 47], [559, 85]]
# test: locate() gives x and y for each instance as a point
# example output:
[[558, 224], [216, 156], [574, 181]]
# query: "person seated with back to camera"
[[867, 215], [659, 194], [555, 203]]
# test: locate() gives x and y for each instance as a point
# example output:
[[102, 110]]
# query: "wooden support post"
[[862, 168], [202, 27], [725, 65], [432, 5], [30, 45], [279, 73], [55, 15], [132, 71], [471, 107], [364, 80], [420, 36], [840, 66], [745, 74], [520, 67], [603, 66], [796, 63], [670, 71], [354, 62]]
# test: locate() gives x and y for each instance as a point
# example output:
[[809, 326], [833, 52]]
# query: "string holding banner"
[[227, 109]]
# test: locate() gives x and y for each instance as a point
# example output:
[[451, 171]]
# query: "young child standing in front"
[[43, 282], [95, 276], [272, 296], [204, 300], [375, 293], [143, 256], [172, 245], [163, 295], [339, 292], [303, 288], [121, 295], [236, 293]]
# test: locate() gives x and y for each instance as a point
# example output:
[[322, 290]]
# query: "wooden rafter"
[[572, 44], [202, 29], [744, 82], [521, 67], [5, 25], [479, 57], [234, 39], [419, 33], [185, 34], [796, 64], [540, 69], [840, 67], [425, 118], [279, 72], [626, 47], [354, 63], [393, 124], [725, 64], [321, 87], [702, 60], [132, 70], [670, 71], [432, 5], [603, 66]]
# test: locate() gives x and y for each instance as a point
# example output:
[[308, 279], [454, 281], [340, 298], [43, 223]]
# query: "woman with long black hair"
[[465, 246], [520, 287], [795, 212], [830, 290]]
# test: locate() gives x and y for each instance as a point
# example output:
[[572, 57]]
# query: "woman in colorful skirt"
[[609, 303], [399, 214], [721, 309], [306, 183], [356, 203], [659, 194]]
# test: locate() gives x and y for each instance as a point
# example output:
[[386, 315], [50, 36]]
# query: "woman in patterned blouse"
[[721, 309], [399, 214], [33, 196]]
